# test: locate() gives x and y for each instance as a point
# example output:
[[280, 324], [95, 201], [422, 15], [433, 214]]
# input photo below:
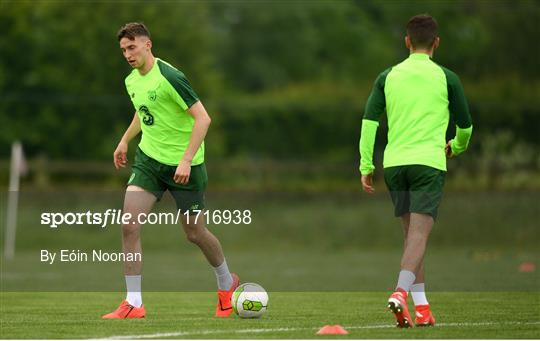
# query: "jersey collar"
[[419, 56]]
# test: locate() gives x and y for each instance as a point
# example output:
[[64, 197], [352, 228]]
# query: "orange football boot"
[[397, 304], [424, 317], [126, 311], [224, 307]]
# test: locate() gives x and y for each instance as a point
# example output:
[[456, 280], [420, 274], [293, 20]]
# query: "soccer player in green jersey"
[[170, 157], [418, 96]]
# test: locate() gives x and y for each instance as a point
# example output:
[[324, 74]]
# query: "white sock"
[[418, 292], [133, 286], [223, 276], [405, 280]]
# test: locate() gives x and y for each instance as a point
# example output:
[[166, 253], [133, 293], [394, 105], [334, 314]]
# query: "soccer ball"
[[249, 300]]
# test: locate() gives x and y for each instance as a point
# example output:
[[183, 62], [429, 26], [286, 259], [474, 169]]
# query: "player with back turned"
[[418, 96], [170, 156]]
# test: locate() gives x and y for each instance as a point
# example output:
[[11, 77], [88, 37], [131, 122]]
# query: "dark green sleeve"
[[179, 82], [376, 102], [457, 102]]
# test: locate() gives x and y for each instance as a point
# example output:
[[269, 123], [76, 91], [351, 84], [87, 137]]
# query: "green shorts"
[[156, 178], [415, 188]]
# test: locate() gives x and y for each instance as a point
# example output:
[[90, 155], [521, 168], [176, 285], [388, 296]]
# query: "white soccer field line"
[[273, 330]]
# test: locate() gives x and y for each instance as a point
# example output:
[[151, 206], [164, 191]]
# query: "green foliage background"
[[282, 80]]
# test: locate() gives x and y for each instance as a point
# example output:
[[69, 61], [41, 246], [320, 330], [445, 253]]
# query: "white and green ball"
[[249, 300]]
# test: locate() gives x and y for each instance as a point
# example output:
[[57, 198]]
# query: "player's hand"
[[181, 176], [120, 155], [367, 183], [448, 150]]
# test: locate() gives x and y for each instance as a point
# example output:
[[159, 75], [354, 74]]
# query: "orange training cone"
[[332, 330]]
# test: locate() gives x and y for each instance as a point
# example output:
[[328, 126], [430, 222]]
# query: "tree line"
[[282, 80]]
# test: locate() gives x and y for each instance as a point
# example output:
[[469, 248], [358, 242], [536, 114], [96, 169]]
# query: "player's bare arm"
[[120, 154], [200, 128]]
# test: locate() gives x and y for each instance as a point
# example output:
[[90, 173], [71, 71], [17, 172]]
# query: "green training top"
[[161, 98], [418, 96]]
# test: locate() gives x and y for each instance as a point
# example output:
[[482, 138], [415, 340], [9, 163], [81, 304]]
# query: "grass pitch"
[[291, 315]]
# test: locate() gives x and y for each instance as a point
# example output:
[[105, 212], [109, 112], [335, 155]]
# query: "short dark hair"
[[422, 30], [132, 30]]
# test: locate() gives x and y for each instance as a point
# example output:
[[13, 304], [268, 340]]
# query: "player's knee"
[[131, 228], [416, 239], [194, 236]]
